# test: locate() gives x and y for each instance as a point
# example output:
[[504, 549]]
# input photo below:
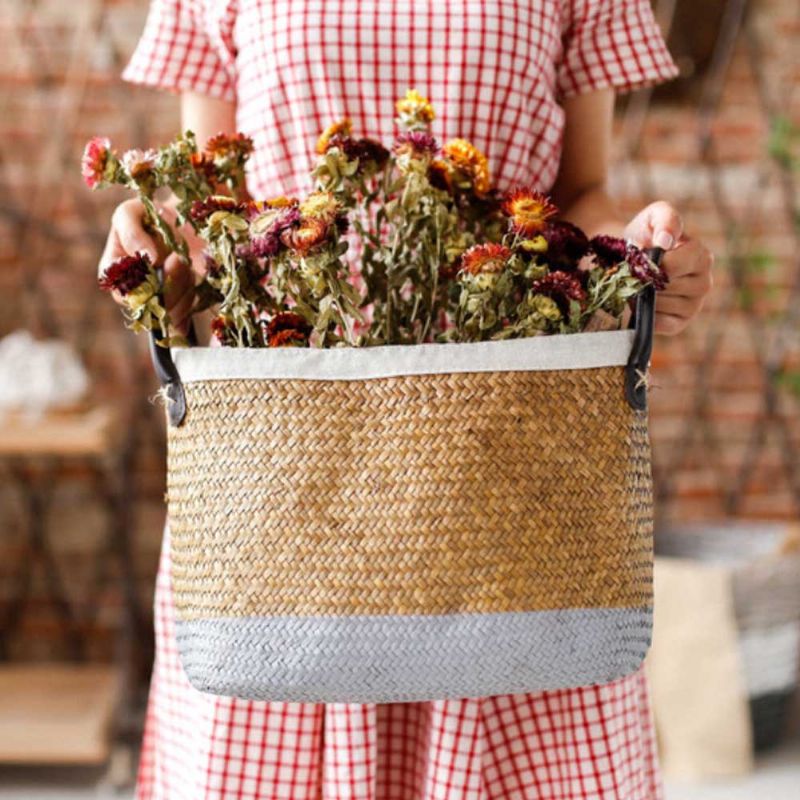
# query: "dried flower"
[[126, 274], [321, 206], [204, 164], [223, 146], [562, 287], [308, 235], [608, 251], [223, 329], [485, 258], [139, 164], [414, 110], [528, 210], [288, 329], [202, 209], [95, 160], [417, 144], [470, 161], [267, 228], [341, 129], [644, 269], [439, 175], [566, 244]]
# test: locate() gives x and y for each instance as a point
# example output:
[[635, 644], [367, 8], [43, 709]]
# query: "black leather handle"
[[168, 377], [167, 372], [643, 322]]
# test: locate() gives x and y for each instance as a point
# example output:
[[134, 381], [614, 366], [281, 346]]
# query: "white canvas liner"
[[532, 354]]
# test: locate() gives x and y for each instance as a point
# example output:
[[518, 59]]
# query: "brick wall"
[[711, 417]]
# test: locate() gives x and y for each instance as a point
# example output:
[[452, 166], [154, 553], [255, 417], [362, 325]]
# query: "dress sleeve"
[[178, 51], [612, 44]]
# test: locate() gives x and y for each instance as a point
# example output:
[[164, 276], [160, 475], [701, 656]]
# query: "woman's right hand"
[[129, 236]]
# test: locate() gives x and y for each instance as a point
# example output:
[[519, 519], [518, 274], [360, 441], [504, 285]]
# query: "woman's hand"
[[129, 236], [688, 262]]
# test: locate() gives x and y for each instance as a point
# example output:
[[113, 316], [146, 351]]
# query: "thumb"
[[657, 225]]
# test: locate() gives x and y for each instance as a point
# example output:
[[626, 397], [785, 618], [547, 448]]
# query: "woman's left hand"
[[688, 263]]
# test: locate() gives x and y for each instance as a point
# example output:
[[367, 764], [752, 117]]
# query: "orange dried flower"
[[468, 159], [311, 233], [287, 329], [342, 128], [529, 210], [225, 145], [485, 258]]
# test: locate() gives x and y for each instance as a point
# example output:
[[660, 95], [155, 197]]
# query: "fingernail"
[[663, 240]]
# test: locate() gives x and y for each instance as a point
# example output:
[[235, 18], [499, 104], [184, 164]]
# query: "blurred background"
[[82, 445]]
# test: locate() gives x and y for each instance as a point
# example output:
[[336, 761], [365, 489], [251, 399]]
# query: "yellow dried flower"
[[415, 109], [344, 127], [468, 159], [536, 245], [320, 205]]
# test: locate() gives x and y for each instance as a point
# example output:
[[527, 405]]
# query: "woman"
[[532, 84]]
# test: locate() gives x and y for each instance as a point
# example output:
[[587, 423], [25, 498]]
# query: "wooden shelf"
[[76, 433], [57, 713]]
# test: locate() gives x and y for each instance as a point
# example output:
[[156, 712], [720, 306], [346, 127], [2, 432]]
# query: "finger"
[[658, 225], [129, 228], [670, 324], [685, 307], [690, 259], [691, 284], [180, 313], [178, 280]]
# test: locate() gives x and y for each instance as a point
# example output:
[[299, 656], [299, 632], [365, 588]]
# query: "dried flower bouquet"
[[442, 256]]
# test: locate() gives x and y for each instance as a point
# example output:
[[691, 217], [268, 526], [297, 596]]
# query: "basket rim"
[[533, 354]]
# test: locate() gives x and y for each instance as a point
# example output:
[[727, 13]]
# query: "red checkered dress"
[[495, 71]]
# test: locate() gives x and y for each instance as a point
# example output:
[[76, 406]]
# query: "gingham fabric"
[[495, 72], [493, 69], [595, 742]]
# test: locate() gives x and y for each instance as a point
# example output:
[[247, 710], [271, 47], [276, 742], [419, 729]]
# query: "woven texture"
[[421, 516], [431, 494]]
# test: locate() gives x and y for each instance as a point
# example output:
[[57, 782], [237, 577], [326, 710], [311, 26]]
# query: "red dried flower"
[[287, 329], [203, 164], [566, 245], [201, 210], [94, 161], [416, 143], [561, 287], [645, 269], [610, 251], [126, 274]]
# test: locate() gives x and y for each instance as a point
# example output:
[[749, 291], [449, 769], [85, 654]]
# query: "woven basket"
[[411, 522], [764, 579]]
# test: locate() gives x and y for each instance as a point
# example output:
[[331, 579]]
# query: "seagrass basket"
[[411, 522]]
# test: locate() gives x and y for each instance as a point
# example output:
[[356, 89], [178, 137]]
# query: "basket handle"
[[643, 321], [167, 372], [168, 377]]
